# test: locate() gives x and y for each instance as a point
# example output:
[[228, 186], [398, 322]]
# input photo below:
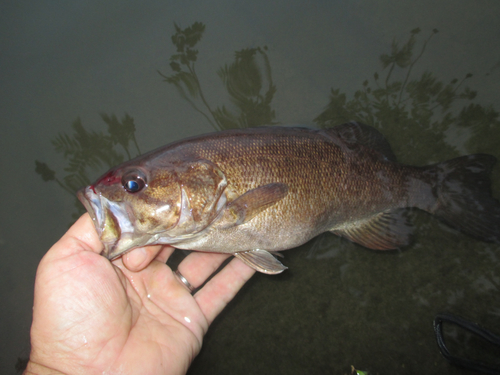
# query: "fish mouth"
[[92, 205], [112, 222]]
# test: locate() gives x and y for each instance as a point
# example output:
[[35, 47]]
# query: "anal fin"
[[262, 261], [384, 231]]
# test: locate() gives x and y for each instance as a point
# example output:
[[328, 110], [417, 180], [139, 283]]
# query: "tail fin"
[[464, 196]]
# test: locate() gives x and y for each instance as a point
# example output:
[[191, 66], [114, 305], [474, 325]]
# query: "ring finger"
[[197, 267]]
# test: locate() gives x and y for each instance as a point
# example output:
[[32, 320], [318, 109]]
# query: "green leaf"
[[44, 171], [175, 66], [191, 55]]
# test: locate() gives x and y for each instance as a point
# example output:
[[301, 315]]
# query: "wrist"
[[38, 369]]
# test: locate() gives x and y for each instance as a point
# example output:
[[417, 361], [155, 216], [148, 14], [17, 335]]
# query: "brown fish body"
[[251, 191], [327, 187]]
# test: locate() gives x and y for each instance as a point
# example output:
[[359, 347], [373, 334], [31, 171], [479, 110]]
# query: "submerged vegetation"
[[418, 114], [90, 150], [248, 81]]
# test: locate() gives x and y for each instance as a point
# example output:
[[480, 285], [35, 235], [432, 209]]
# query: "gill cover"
[[202, 185]]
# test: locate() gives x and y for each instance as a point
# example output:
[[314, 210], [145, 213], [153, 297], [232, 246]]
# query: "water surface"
[[313, 63]]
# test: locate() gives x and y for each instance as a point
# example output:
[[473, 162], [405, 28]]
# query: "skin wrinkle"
[[143, 289], [90, 244], [133, 320], [178, 326], [165, 347], [108, 293], [229, 286], [193, 277], [127, 331], [53, 370], [120, 358], [74, 310], [239, 278], [63, 259], [110, 341]]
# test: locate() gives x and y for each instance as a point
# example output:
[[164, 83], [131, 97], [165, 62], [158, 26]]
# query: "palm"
[[98, 317]]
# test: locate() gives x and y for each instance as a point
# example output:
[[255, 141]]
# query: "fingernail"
[[136, 257]]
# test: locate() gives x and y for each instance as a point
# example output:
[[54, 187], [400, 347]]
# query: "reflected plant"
[[245, 79], [87, 150], [416, 114]]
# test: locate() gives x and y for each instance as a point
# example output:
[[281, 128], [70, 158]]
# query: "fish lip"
[[96, 206], [93, 205]]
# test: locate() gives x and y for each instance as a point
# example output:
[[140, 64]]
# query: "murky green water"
[[317, 64]]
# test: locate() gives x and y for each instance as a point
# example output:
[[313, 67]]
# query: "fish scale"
[[250, 192]]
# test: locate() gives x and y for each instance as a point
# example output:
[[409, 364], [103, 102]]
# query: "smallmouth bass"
[[251, 192]]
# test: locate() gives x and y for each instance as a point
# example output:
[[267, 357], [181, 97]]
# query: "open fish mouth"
[[92, 204], [112, 223]]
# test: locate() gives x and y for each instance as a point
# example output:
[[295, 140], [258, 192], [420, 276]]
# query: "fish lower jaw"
[[113, 250], [126, 243]]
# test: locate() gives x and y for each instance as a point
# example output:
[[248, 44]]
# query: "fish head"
[[153, 203]]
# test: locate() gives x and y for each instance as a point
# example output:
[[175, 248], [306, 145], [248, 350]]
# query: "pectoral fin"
[[385, 231], [262, 261], [252, 203]]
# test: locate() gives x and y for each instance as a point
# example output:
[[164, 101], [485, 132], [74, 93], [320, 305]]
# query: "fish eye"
[[133, 183]]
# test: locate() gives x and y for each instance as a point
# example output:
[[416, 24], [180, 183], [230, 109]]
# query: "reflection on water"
[[248, 81], [245, 80], [342, 300], [89, 150], [416, 114]]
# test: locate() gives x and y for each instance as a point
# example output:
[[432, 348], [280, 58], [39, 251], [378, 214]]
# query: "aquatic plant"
[[418, 115], [86, 150], [248, 81]]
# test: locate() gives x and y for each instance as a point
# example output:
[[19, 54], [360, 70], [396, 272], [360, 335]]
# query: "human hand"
[[129, 316]]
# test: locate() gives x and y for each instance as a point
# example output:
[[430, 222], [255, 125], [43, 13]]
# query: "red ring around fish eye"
[[133, 182]]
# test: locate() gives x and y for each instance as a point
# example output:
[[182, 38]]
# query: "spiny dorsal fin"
[[262, 261], [355, 133], [384, 231]]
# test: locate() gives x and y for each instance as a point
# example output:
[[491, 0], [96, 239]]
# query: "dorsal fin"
[[356, 133]]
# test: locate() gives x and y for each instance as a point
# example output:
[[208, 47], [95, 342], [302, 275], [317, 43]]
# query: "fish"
[[258, 191]]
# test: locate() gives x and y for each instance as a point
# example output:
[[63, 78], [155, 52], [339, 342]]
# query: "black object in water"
[[473, 328]]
